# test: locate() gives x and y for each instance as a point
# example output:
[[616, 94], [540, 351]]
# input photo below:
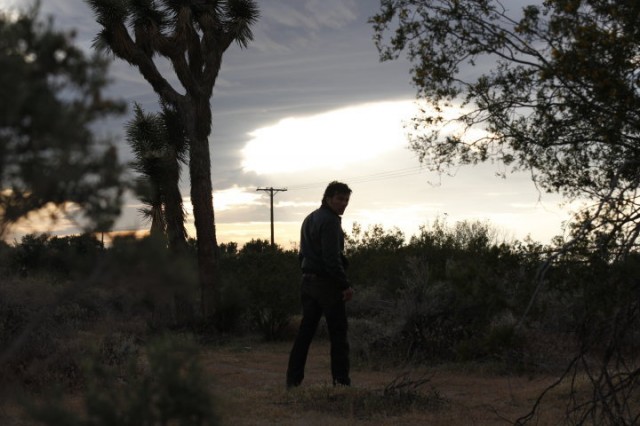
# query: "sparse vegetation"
[[165, 386], [113, 333], [451, 295], [403, 394]]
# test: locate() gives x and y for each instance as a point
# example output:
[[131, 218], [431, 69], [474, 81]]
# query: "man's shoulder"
[[325, 215]]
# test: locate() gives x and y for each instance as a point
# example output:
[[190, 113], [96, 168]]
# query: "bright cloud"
[[333, 140], [8, 3], [235, 197], [289, 204], [10, 9]]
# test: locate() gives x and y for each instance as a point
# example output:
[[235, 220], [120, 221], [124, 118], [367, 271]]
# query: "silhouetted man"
[[325, 287]]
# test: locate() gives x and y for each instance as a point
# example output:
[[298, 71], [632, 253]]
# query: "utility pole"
[[272, 191]]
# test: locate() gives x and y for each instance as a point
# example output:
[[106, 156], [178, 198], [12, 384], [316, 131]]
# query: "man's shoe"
[[342, 382], [291, 385]]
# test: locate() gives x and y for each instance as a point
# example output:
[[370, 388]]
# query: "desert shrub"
[[467, 278], [499, 341], [117, 349], [41, 318], [271, 278], [375, 258], [374, 328], [28, 256], [58, 257], [32, 339], [258, 289], [428, 327], [403, 394], [462, 249], [166, 386], [150, 278], [73, 256], [40, 324], [231, 307], [231, 294], [368, 303], [6, 252], [372, 342], [458, 315]]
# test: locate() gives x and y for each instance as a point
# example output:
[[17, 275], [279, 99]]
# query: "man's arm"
[[332, 252]]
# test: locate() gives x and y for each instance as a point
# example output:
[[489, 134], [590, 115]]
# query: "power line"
[[389, 174], [272, 191]]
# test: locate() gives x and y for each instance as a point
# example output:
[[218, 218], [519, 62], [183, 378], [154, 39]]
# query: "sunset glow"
[[334, 139], [271, 130]]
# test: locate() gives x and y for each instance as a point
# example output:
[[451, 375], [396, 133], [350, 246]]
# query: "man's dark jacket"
[[322, 246]]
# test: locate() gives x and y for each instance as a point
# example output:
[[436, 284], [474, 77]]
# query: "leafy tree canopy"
[[555, 87], [52, 95]]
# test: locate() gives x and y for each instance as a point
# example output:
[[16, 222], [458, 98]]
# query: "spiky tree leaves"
[[192, 36], [145, 136], [159, 145], [52, 96]]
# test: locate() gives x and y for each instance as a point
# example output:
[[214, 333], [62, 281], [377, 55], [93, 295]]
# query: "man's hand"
[[347, 294]]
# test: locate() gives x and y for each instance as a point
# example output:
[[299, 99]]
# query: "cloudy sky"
[[309, 102]]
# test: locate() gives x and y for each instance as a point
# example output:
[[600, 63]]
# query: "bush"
[[375, 259], [466, 316], [151, 278], [29, 338], [272, 282], [41, 318], [372, 342], [169, 388], [58, 257]]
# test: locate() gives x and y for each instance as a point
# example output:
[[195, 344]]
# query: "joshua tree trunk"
[[174, 207], [197, 113], [174, 213], [192, 35]]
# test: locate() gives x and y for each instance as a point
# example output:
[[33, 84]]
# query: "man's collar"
[[324, 206]]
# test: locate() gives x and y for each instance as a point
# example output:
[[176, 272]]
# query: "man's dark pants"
[[320, 296]]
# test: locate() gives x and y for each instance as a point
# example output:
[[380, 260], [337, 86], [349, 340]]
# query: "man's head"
[[336, 197]]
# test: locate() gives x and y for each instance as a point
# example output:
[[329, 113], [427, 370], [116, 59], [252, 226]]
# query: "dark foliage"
[[58, 257], [52, 97], [260, 283], [171, 389], [449, 294], [159, 144]]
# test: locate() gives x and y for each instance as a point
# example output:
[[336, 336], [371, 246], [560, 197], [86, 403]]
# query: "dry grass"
[[249, 381]]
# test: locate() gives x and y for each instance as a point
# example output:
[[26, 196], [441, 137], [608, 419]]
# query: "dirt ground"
[[249, 383]]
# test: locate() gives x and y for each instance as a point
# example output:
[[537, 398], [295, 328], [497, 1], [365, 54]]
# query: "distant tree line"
[[451, 292]]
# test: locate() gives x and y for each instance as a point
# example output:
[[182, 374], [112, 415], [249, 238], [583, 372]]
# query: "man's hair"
[[334, 188]]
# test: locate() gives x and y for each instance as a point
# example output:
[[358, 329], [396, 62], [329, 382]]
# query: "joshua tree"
[[159, 145], [192, 35]]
